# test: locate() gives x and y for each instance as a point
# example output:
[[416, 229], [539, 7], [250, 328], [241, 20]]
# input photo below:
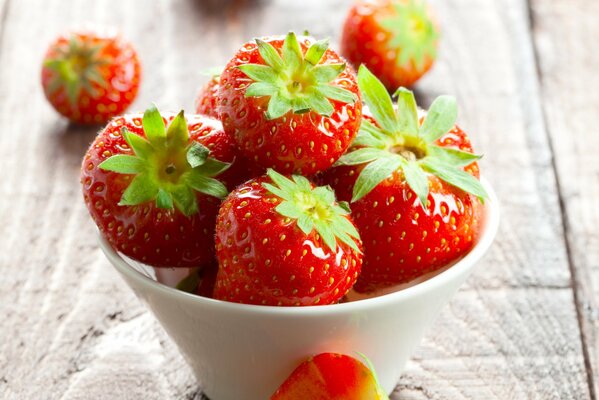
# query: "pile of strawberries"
[[297, 180]]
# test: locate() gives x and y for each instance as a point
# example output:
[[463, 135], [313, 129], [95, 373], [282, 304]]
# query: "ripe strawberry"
[[291, 105], [152, 191], [90, 76], [281, 241], [330, 376], [206, 102], [413, 185], [395, 39]]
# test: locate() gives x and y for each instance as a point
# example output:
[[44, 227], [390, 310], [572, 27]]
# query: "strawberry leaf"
[[454, 157], [141, 147], [177, 134], [316, 51], [374, 173], [455, 177], [377, 99], [270, 55], [408, 110], [141, 189], [153, 125], [361, 156], [206, 185], [123, 164], [197, 154], [164, 199], [417, 180], [440, 118]]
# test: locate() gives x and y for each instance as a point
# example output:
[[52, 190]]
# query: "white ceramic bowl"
[[240, 351]]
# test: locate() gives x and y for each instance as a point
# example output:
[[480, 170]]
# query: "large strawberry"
[[395, 39], [91, 76], [291, 105], [154, 192], [413, 184], [206, 101], [282, 241], [331, 376]]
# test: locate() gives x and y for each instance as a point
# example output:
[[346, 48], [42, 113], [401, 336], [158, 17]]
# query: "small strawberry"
[[331, 376], [206, 102], [152, 190], [91, 76], [291, 105], [413, 185], [395, 39], [282, 241]]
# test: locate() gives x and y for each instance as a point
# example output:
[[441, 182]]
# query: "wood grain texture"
[[72, 329], [568, 59]]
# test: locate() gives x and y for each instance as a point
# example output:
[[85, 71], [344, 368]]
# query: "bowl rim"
[[490, 227]]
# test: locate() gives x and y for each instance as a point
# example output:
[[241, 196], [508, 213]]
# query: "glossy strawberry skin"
[[264, 258], [157, 237], [402, 240], [363, 41], [329, 376], [296, 143], [122, 73], [206, 102]]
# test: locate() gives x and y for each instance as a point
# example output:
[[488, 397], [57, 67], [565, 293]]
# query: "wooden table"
[[525, 73]]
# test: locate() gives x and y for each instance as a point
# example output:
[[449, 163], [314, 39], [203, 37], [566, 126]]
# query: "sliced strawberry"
[[396, 39], [91, 76], [282, 241], [330, 376], [413, 185], [290, 104], [154, 191]]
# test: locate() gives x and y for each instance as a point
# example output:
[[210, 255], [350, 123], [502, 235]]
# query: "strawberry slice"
[[330, 376]]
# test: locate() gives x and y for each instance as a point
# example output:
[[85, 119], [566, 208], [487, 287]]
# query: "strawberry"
[[396, 39], [282, 241], [290, 105], [90, 76], [206, 102], [154, 192], [331, 376], [414, 187]]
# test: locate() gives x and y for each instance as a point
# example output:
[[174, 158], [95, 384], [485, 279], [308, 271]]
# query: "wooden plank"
[[76, 331], [566, 35]]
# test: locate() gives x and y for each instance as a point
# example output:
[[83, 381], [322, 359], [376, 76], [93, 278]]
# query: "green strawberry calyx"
[[295, 81], [78, 66], [399, 142], [313, 208], [167, 167], [413, 33]]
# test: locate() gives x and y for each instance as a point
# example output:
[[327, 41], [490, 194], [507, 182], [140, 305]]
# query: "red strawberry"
[[330, 376], [395, 39], [206, 102], [91, 76], [152, 191], [281, 241], [291, 105], [413, 185]]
